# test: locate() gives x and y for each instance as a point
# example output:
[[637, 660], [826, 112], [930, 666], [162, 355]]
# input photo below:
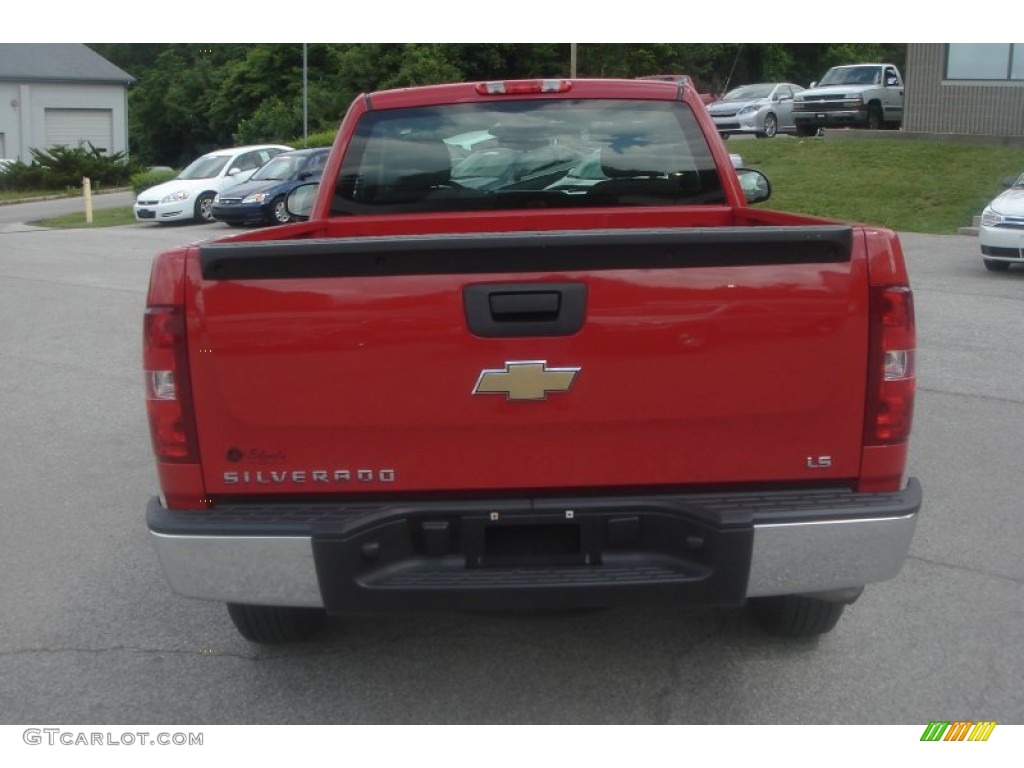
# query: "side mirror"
[[813, 83], [892, 81], [234, 171], [756, 187], [300, 200]]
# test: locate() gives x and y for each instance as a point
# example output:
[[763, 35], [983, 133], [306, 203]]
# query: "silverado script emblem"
[[525, 380]]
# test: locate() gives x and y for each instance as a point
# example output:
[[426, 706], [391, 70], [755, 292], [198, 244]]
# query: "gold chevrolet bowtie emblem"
[[526, 380]]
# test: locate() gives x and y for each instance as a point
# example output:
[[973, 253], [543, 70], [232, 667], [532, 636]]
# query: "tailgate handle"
[[525, 309], [535, 306]]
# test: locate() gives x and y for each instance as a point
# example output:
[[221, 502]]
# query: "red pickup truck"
[[531, 348]]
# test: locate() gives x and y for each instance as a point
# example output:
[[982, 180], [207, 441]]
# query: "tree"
[[191, 98]]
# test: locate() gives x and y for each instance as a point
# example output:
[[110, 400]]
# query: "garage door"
[[74, 127]]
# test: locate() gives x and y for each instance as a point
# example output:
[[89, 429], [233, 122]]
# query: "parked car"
[[190, 195], [1001, 234], [261, 199], [763, 109]]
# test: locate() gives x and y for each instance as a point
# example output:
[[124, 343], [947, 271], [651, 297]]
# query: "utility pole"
[[572, 60], [305, 97]]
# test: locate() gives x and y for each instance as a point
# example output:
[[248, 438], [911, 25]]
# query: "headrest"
[[621, 160], [417, 164]]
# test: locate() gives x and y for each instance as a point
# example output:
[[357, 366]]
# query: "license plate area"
[[508, 544], [528, 541]]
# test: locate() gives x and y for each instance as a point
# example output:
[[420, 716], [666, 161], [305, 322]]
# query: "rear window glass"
[[526, 153]]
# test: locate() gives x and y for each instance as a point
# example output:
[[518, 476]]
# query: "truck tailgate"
[[568, 360]]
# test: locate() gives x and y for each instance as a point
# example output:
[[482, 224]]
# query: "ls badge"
[[525, 380]]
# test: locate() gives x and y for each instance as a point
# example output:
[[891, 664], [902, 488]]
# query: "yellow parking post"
[[87, 193]]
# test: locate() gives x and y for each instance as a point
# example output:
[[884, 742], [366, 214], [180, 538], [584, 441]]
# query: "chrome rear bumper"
[[760, 545]]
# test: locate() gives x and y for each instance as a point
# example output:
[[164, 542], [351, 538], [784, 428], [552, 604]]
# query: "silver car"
[[763, 109]]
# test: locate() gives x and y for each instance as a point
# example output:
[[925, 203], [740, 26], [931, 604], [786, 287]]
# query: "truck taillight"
[[891, 375], [510, 87], [168, 403]]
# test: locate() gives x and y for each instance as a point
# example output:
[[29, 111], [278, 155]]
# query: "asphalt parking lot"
[[91, 633]]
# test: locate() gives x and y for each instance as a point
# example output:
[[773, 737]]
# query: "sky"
[[118, 21]]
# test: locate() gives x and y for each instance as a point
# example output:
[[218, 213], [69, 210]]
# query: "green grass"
[[910, 186], [7, 196], [108, 217]]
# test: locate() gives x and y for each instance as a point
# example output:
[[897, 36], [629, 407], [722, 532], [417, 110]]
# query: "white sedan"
[[1001, 234], [190, 195]]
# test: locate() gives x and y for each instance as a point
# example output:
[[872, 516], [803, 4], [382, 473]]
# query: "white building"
[[60, 94]]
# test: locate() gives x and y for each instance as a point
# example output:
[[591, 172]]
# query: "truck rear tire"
[[795, 615], [274, 624]]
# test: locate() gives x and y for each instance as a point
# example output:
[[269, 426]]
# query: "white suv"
[[190, 195]]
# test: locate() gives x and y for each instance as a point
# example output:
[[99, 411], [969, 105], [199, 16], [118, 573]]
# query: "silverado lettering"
[[579, 368], [263, 477]]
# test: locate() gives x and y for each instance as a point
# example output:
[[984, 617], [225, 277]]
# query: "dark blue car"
[[261, 199]]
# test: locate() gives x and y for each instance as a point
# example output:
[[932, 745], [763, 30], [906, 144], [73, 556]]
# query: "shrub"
[[146, 179], [19, 176], [318, 139], [61, 167], [321, 139]]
